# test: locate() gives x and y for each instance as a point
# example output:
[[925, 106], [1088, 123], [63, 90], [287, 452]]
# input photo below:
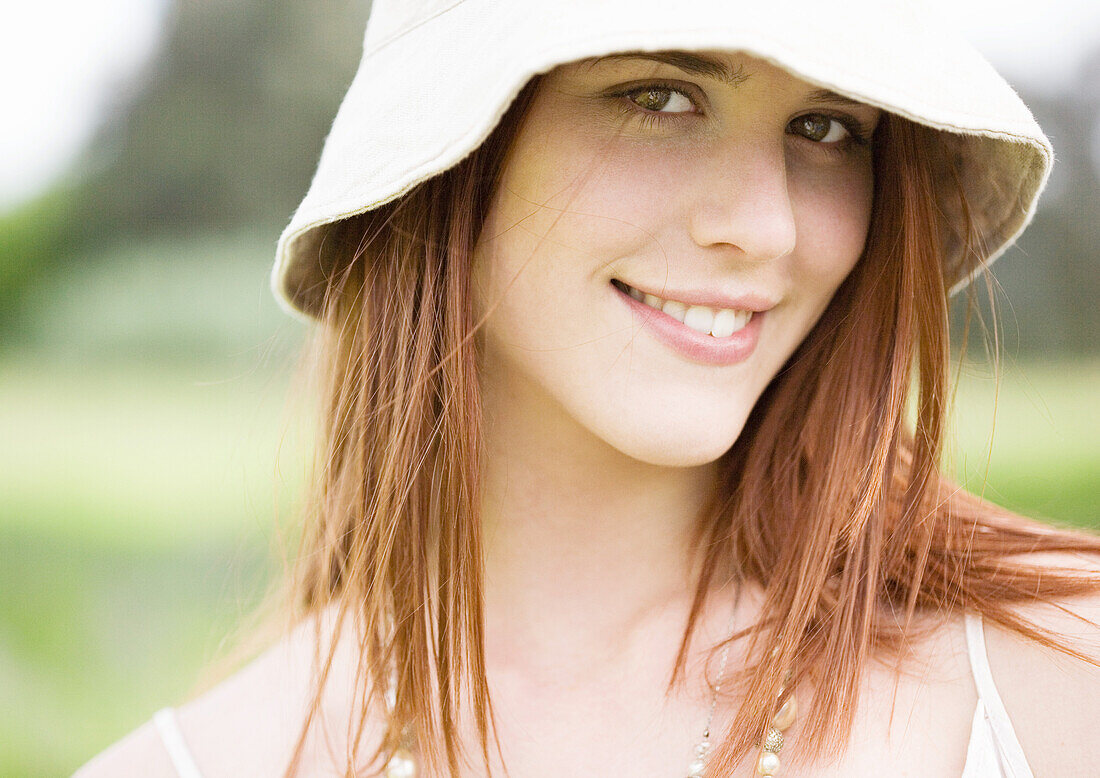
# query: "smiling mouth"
[[717, 322]]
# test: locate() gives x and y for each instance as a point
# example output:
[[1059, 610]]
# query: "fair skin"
[[602, 439]]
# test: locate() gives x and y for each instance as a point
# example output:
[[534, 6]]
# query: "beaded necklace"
[[402, 763], [767, 763]]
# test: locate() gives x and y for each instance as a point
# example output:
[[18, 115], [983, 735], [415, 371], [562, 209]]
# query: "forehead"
[[732, 69]]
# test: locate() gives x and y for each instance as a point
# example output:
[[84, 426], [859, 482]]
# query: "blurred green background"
[[147, 439]]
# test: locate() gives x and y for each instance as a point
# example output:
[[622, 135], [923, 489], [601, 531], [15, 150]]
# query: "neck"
[[582, 543]]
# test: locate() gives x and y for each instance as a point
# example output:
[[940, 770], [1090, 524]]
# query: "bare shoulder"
[[1053, 699], [139, 753], [250, 723]]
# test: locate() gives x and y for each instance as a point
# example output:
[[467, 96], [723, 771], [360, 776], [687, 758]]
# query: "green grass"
[[134, 527], [92, 638], [137, 505], [140, 457], [1034, 446]]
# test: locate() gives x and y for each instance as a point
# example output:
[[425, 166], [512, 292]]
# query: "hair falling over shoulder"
[[844, 519]]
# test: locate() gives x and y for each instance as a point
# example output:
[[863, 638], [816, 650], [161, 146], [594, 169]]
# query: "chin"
[[678, 444]]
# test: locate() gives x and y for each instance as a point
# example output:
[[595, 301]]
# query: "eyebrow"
[[709, 67]]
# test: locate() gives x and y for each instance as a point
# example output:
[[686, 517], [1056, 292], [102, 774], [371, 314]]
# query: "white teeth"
[[727, 322], [720, 323], [674, 309], [699, 318]]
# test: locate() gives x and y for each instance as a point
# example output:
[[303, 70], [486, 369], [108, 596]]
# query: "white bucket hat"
[[437, 76]]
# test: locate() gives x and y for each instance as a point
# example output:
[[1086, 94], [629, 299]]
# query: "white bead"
[[767, 764], [401, 765], [695, 770], [786, 715]]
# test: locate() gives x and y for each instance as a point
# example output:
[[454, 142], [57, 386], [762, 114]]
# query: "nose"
[[743, 201]]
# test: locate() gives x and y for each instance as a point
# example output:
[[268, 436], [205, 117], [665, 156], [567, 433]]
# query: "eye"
[[655, 104], [821, 128], [656, 98]]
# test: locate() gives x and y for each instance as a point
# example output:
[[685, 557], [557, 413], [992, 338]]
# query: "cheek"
[[564, 211], [581, 194], [833, 217]]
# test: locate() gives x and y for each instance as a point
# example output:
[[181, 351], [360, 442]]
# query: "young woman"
[[632, 327]]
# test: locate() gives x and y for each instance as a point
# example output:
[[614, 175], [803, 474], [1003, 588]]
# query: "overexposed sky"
[[1033, 44], [66, 63]]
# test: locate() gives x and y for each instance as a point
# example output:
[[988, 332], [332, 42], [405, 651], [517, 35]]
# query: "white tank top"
[[993, 751]]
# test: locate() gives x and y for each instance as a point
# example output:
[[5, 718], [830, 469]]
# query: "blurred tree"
[[1051, 277], [230, 125], [225, 131], [32, 237]]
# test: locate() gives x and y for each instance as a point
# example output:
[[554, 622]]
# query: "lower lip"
[[694, 345]]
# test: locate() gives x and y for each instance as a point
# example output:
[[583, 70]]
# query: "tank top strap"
[[1011, 755], [168, 726]]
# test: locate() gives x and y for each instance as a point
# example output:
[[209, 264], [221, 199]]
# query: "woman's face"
[[714, 183]]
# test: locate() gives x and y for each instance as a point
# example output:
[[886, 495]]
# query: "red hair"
[[842, 517]]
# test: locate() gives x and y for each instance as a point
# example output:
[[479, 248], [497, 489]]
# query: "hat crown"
[[390, 19]]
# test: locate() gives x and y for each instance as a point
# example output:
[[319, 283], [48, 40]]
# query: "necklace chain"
[[702, 748]]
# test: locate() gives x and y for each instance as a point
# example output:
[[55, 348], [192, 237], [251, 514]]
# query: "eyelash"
[[859, 136]]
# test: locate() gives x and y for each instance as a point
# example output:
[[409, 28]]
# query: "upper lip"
[[744, 301]]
